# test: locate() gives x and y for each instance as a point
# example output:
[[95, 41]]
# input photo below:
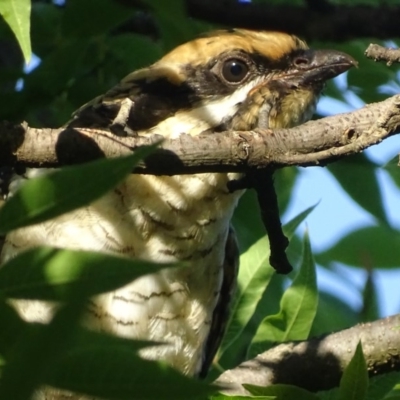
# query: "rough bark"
[[379, 53], [318, 363], [314, 143]]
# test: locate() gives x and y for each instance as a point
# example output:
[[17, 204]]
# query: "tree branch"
[[314, 143], [318, 363], [326, 21], [379, 53]]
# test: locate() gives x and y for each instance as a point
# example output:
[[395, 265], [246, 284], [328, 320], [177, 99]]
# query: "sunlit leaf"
[[282, 392], [17, 14], [394, 394], [47, 273], [254, 277], [298, 308], [354, 382]]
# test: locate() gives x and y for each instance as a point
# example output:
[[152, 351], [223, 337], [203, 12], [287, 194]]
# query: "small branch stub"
[[379, 53]]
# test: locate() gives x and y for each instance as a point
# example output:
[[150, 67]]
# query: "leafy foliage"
[[297, 309], [354, 382], [85, 48], [47, 273], [281, 392]]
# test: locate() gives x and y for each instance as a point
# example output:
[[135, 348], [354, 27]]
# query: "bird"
[[233, 79]]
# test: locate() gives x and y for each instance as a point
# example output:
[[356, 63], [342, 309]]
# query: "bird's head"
[[233, 79]]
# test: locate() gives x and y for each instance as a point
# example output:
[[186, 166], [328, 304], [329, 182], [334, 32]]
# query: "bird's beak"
[[317, 66]]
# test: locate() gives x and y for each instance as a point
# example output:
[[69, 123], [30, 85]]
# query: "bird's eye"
[[234, 70]]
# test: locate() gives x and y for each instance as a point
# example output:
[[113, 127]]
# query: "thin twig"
[[380, 53]]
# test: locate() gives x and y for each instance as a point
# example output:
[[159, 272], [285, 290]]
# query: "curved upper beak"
[[312, 66]]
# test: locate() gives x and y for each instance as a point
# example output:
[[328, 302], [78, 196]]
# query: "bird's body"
[[163, 219], [229, 80]]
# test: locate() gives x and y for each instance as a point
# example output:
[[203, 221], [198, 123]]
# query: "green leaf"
[[85, 338], [394, 394], [370, 307], [17, 15], [290, 228], [381, 385], [118, 373], [356, 175], [11, 327], [298, 308], [254, 277], [144, 50], [96, 17], [281, 392], [58, 69], [45, 28], [35, 351], [254, 272], [284, 181], [373, 246], [329, 394], [74, 358], [369, 75], [173, 22], [64, 190], [393, 168], [220, 396], [46, 273], [354, 381], [248, 226]]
